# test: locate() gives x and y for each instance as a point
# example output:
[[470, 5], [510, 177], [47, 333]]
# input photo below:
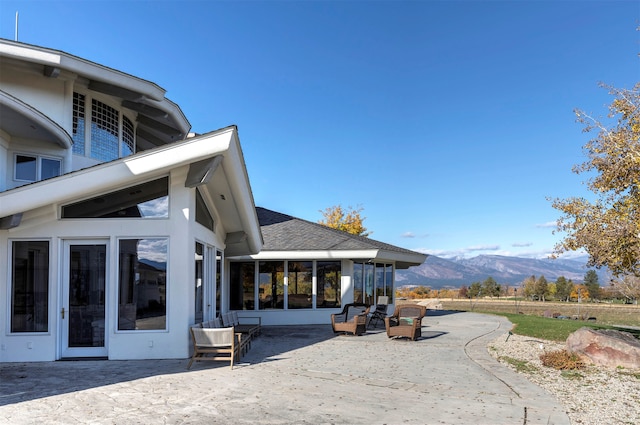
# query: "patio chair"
[[231, 318], [406, 321], [380, 312], [211, 344], [352, 319]]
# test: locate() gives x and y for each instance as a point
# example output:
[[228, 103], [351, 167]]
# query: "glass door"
[[83, 299]]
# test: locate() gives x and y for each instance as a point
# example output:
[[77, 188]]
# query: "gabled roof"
[[218, 169], [288, 237]]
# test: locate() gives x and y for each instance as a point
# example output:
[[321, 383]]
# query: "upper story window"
[[32, 168], [111, 134]]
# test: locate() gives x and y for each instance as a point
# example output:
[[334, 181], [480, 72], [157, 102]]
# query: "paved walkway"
[[295, 375]]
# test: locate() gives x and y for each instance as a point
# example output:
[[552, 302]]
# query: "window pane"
[[389, 283], [271, 281], [242, 282], [147, 200], [104, 131], [128, 137], [219, 264], [379, 281], [26, 167], [300, 284], [142, 284], [368, 283], [50, 168], [358, 281], [78, 124], [30, 286], [199, 272], [329, 276]]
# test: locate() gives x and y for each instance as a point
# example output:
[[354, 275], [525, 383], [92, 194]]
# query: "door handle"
[[62, 312]]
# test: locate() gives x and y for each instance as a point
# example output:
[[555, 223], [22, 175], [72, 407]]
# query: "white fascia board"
[[81, 67], [238, 178], [106, 176], [314, 255]]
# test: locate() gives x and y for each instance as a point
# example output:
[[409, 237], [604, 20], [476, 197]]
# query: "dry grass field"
[[604, 313]]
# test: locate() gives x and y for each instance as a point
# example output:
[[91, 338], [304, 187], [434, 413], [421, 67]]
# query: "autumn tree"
[[579, 292], [628, 286], [348, 220], [529, 287], [608, 229]]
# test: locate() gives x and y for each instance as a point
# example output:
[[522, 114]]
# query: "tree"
[[628, 286], [474, 290], [541, 288], [592, 285], [490, 287], [563, 288], [608, 229], [529, 287], [348, 220], [579, 292]]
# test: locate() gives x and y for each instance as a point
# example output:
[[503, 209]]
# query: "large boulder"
[[606, 347]]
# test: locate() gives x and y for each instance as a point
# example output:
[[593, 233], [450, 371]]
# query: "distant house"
[[119, 229]]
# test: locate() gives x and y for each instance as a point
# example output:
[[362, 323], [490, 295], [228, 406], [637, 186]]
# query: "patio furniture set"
[[405, 322], [223, 338]]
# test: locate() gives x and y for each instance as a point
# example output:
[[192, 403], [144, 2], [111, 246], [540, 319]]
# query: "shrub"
[[562, 360]]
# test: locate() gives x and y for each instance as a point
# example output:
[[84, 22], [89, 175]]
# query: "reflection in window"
[[242, 285], [300, 284], [147, 200], [30, 286], [199, 283], [104, 131], [329, 281], [388, 282], [142, 283], [26, 168], [271, 284]]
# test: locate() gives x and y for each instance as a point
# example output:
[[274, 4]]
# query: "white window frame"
[[39, 159]]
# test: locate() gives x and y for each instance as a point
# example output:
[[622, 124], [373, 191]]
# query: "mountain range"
[[438, 272]]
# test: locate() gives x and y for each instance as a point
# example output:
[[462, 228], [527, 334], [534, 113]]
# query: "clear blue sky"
[[449, 123]]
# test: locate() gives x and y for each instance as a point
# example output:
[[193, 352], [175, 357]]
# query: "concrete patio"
[[295, 375]]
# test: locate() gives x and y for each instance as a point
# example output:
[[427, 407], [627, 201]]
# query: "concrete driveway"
[[295, 375]]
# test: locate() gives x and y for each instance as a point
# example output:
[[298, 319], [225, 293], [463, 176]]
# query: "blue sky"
[[449, 123]]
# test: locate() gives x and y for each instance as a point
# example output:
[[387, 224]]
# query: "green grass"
[[543, 327], [520, 365]]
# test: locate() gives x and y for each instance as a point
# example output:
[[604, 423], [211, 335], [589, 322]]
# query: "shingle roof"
[[282, 232]]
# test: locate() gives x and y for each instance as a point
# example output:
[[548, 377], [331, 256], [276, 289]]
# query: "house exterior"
[[119, 229]]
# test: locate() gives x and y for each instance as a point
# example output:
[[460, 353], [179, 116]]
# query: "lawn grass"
[[543, 327]]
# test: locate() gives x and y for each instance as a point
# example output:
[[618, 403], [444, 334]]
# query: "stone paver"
[[295, 375]]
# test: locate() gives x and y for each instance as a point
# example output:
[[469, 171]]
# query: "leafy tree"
[[541, 288], [563, 288], [490, 287], [529, 287], [592, 285], [474, 290], [609, 228], [348, 220], [579, 292]]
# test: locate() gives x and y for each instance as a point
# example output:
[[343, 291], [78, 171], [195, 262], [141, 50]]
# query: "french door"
[[83, 310]]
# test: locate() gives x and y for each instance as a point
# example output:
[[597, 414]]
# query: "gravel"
[[591, 396]]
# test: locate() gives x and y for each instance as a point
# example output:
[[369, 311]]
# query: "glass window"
[[388, 281], [26, 168], [30, 286], [329, 281], [199, 289], [271, 284], [219, 264], [50, 168], [300, 284], [78, 124], [368, 283], [128, 137], [358, 279], [142, 275], [202, 212], [147, 200], [104, 131], [242, 285]]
